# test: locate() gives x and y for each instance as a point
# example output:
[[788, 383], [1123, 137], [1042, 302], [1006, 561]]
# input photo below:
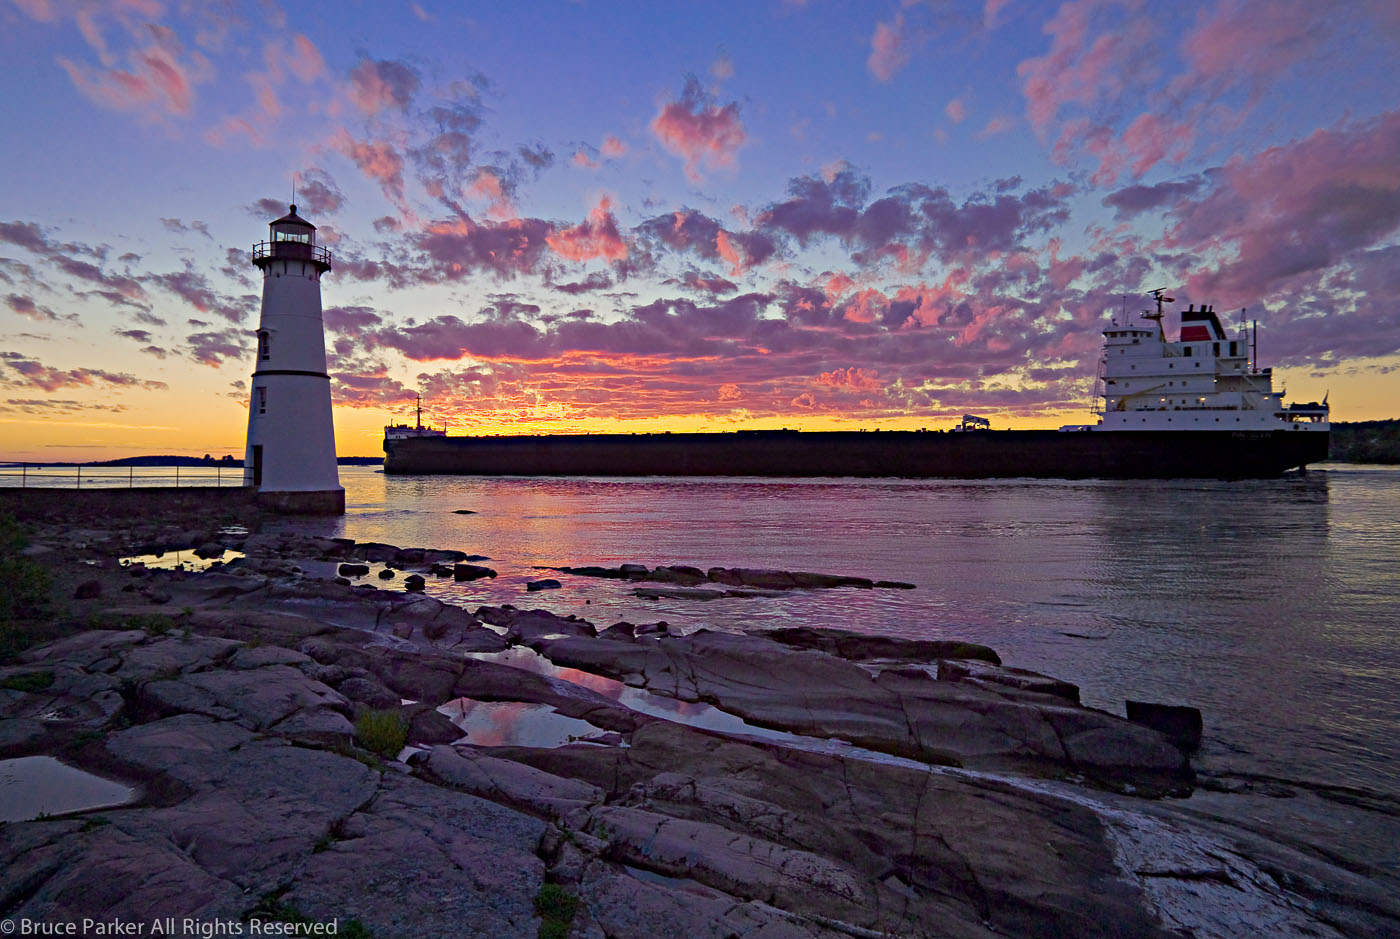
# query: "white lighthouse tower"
[[291, 440]]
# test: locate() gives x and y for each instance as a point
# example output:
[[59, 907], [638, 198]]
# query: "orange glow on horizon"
[[201, 416]]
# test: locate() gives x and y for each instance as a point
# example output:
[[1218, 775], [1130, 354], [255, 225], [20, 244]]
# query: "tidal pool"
[[31, 786], [181, 560]]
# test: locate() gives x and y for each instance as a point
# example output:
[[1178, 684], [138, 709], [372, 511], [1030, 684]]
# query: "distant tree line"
[[1366, 441]]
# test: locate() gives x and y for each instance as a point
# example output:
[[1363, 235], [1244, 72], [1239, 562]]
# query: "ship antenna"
[[420, 411], [1160, 295]]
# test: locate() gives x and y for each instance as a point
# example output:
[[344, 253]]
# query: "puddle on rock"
[[183, 560], [518, 724], [690, 713], [31, 786]]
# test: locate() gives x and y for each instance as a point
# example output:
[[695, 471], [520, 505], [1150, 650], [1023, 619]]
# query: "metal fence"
[[39, 476]]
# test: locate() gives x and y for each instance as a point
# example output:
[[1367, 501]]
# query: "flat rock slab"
[[758, 578], [820, 842], [905, 714], [859, 647], [56, 872], [423, 861]]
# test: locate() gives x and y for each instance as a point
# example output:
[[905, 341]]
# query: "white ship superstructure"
[[405, 431], [1202, 380]]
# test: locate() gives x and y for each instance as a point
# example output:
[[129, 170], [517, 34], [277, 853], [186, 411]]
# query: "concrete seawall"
[[99, 505]]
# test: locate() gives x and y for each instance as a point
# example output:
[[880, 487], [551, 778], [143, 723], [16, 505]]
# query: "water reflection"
[[1270, 604], [183, 560], [517, 724], [34, 786]]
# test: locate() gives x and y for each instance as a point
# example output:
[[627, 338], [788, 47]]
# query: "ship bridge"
[[1202, 379]]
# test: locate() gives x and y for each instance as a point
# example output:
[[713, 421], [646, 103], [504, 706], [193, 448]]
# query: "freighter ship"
[[1194, 406]]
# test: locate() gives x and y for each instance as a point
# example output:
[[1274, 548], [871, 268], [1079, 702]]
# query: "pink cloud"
[[377, 160], [730, 392], [581, 158], [304, 60], [155, 81], [1080, 70], [697, 129], [1292, 212], [867, 306], [956, 110], [1250, 43], [596, 237], [267, 97], [613, 147], [889, 49], [318, 192], [1149, 140], [487, 185], [382, 84], [995, 126], [34, 374], [231, 127], [930, 304], [855, 379], [25, 306], [991, 12], [729, 251], [42, 10], [836, 285], [1064, 271]]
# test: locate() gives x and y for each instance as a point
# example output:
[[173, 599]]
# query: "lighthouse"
[[291, 439]]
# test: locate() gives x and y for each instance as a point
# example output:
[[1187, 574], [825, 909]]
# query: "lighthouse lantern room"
[[291, 438]]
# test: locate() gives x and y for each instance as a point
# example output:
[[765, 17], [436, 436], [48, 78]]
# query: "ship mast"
[[1159, 294]]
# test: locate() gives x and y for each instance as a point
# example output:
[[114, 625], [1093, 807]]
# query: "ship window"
[[1188, 352], [1232, 348], [1216, 347], [262, 400], [264, 349]]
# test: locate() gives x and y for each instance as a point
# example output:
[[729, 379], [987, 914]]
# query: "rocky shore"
[[309, 752]]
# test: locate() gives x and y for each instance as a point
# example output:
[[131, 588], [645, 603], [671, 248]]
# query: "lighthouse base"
[[320, 502]]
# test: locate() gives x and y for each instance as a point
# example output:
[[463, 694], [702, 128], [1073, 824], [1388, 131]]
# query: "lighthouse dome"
[[291, 237]]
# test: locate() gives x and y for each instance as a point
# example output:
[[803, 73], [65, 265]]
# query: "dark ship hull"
[[981, 454]]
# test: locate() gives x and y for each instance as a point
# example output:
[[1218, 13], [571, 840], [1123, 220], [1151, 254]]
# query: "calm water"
[[1271, 605]]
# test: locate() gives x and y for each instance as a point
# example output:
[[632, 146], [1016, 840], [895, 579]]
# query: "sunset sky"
[[570, 216]]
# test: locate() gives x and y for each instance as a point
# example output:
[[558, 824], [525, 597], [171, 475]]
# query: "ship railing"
[[44, 476]]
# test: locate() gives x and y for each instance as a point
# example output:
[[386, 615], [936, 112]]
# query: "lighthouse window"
[[262, 400], [293, 236], [264, 349]]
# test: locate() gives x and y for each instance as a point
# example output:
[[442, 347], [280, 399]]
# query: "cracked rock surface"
[[966, 801]]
